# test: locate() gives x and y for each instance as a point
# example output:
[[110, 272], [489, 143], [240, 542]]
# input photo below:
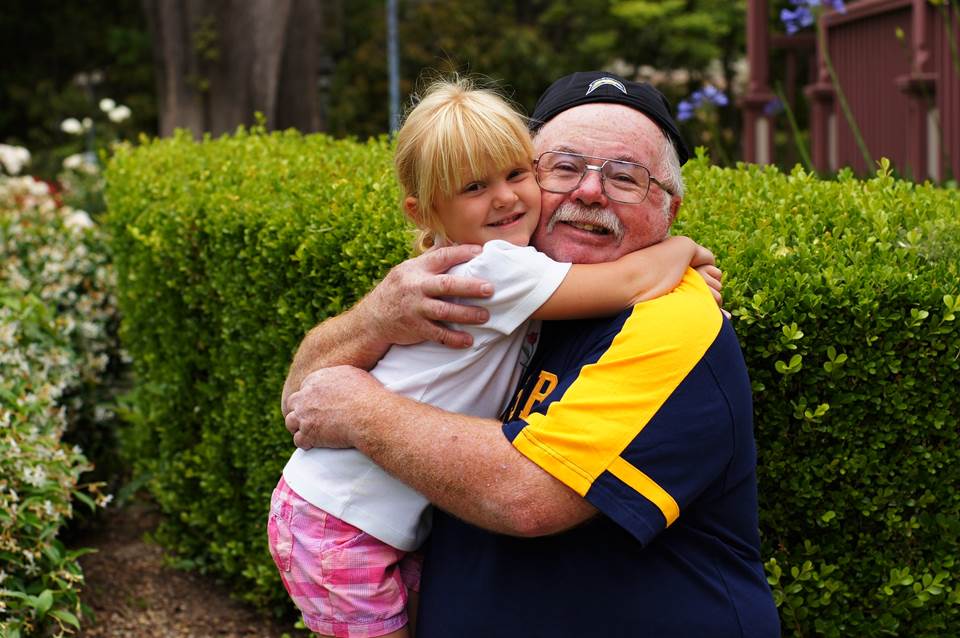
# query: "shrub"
[[844, 294], [227, 252], [55, 310]]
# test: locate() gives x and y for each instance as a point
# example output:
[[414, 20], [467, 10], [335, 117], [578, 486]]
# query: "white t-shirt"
[[474, 382]]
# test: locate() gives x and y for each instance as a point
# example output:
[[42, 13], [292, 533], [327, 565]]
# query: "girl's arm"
[[597, 290]]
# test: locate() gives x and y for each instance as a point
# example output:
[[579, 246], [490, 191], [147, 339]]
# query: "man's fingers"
[[453, 286], [443, 259], [292, 422], [438, 310], [452, 338], [300, 440]]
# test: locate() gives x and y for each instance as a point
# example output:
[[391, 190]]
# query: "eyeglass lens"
[[622, 181]]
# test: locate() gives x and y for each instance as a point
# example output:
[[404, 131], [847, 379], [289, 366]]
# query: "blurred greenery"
[[525, 45], [45, 45], [521, 45]]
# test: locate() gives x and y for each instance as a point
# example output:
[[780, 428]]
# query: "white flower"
[[72, 126], [73, 162], [87, 123], [119, 114], [13, 158], [8, 333], [107, 105], [35, 476], [38, 188], [78, 220]]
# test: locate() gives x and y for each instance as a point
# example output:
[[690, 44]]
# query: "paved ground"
[[134, 595]]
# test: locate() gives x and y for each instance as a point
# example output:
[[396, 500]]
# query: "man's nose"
[[590, 190]]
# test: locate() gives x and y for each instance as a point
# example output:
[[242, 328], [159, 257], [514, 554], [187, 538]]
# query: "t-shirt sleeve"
[[522, 277], [642, 428]]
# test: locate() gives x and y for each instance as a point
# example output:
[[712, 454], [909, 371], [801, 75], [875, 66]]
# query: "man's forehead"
[[592, 129]]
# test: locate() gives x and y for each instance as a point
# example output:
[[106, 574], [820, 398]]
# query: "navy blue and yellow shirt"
[[648, 416]]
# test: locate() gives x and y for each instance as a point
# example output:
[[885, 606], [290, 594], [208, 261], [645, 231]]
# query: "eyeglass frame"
[[603, 178]]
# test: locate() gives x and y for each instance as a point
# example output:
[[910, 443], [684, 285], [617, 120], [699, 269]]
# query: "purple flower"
[[793, 21], [685, 110], [707, 95], [714, 95], [773, 107], [802, 16], [837, 5]]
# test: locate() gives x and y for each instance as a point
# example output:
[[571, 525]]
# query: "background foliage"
[[59, 345], [223, 268], [524, 44], [45, 44], [845, 295]]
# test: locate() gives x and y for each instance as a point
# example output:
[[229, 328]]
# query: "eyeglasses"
[[624, 182]]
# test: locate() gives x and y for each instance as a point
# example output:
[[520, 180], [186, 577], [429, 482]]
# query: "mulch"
[[134, 594]]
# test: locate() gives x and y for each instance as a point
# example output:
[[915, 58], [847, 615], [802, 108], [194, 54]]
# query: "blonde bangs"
[[470, 143], [454, 135]]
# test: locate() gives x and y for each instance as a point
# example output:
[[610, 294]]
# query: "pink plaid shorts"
[[345, 582]]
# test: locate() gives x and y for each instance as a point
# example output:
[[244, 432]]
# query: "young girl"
[[341, 530]]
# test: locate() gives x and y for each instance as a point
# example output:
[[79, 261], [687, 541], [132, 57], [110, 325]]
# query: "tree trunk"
[[220, 61]]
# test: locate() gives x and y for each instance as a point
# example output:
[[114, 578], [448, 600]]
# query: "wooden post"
[[757, 131], [920, 85], [822, 130]]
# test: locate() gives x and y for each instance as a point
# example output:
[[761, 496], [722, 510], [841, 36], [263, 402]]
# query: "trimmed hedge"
[[227, 253], [844, 294]]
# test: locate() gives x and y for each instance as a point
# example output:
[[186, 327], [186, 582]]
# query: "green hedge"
[[844, 294], [227, 253]]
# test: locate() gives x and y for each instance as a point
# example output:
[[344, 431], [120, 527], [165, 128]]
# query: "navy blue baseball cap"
[[588, 87]]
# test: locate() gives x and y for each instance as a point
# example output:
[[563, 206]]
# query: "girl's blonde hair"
[[455, 133]]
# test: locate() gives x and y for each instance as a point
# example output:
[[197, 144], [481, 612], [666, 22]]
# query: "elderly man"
[[618, 496]]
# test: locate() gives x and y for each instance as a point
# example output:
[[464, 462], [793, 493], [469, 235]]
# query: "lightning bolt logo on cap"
[[598, 83]]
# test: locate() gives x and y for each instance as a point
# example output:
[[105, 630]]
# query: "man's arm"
[[464, 465], [404, 308]]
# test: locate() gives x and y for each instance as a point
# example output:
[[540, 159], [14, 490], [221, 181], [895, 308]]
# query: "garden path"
[[133, 594]]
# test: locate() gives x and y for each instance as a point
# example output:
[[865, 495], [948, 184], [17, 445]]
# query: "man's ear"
[[412, 208], [675, 207]]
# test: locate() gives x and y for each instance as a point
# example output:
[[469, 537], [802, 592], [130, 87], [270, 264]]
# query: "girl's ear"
[[412, 208]]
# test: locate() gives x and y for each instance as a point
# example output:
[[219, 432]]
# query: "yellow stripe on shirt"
[[612, 400], [647, 487]]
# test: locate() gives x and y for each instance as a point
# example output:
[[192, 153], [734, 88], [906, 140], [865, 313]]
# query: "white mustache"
[[577, 213]]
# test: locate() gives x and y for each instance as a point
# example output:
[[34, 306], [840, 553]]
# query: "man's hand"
[[402, 309], [406, 307], [320, 412]]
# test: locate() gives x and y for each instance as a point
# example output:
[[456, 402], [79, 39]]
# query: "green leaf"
[[66, 617], [43, 602]]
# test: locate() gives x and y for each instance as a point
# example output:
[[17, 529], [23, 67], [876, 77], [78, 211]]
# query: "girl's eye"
[[472, 187], [517, 172]]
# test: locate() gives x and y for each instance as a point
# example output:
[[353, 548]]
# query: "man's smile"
[[590, 228]]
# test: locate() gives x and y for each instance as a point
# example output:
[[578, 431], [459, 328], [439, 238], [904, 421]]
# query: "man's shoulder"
[[687, 317]]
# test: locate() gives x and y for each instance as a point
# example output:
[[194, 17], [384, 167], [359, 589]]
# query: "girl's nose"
[[505, 196]]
